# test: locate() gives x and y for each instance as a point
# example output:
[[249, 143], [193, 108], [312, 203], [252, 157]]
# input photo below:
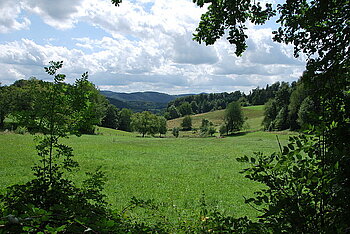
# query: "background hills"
[[141, 101]]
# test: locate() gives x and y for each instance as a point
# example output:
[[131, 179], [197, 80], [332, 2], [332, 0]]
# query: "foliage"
[[162, 128], [111, 118], [306, 113], [125, 119], [27, 97], [207, 128], [270, 114], [222, 16], [223, 130], [186, 123], [176, 132], [185, 109], [173, 112], [145, 123], [234, 118], [5, 104], [298, 197]]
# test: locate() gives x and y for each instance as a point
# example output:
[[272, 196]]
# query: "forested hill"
[[142, 96], [141, 101]]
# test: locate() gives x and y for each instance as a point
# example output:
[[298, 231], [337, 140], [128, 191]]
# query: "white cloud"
[[10, 19], [149, 47]]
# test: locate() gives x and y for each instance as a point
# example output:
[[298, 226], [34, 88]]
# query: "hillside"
[[141, 101], [254, 114]]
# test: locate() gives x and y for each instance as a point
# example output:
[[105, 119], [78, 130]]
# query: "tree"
[[176, 132], [111, 117], [95, 109], [186, 123], [207, 128], [194, 107], [234, 118], [145, 123], [185, 109], [162, 125], [125, 119], [5, 104], [173, 112]]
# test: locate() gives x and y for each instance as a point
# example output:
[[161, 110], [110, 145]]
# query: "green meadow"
[[172, 171]]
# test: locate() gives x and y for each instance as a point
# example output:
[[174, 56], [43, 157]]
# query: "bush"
[[176, 132]]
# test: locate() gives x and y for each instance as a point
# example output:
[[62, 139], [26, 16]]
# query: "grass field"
[[174, 171], [253, 123]]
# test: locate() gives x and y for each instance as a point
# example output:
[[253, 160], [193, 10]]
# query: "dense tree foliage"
[[145, 123], [234, 118], [162, 125], [24, 101], [111, 119], [186, 123], [207, 128]]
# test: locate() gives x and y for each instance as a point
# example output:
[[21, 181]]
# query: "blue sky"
[[143, 45]]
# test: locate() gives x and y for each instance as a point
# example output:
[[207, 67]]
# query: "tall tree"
[[111, 117], [234, 118], [5, 103], [186, 123], [125, 119], [162, 125]]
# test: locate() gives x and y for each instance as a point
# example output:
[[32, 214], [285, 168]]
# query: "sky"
[[142, 45]]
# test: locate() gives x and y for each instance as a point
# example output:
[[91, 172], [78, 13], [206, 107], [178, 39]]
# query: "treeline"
[[292, 107], [203, 103], [22, 103]]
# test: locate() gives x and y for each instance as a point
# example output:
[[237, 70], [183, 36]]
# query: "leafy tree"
[[194, 107], [176, 132], [125, 120], [296, 98], [234, 118], [270, 113], [5, 104], [207, 128], [94, 110], [186, 123], [111, 117], [162, 129], [145, 123], [173, 112], [306, 113], [185, 109]]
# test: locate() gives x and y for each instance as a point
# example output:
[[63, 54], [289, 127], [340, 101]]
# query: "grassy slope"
[[253, 113], [170, 170]]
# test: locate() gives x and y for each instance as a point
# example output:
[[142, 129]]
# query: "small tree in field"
[[234, 118], [145, 123], [162, 125], [186, 123], [176, 132]]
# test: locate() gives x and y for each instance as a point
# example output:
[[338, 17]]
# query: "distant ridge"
[[141, 101]]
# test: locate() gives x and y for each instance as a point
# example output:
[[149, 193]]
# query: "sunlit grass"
[[171, 170]]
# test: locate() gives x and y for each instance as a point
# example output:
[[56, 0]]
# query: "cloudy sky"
[[143, 45]]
